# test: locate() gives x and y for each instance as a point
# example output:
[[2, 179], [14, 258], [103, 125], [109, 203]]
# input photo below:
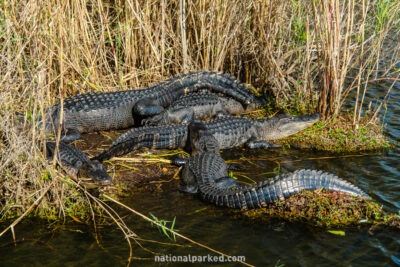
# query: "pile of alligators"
[[169, 115]]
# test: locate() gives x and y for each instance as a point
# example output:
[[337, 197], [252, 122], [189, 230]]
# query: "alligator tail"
[[282, 186], [217, 82], [157, 137], [227, 84]]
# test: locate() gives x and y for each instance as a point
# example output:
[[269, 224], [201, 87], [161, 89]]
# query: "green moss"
[[333, 135], [326, 209], [339, 135]]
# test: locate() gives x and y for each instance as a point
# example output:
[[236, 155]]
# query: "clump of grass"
[[339, 135], [163, 224], [327, 209]]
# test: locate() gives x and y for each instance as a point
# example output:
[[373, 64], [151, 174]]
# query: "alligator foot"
[[190, 189], [70, 135], [234, 167], [179, 161], [179, 115], [155, 120], [226, 182], [260, 144], [147, 107]]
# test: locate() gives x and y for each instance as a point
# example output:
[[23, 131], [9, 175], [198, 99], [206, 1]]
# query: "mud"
[[129, 176]]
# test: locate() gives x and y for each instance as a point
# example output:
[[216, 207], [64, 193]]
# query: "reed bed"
[[304, 55]]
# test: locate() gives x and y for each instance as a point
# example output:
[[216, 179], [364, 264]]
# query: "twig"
[[119, 224], [182, 15], [140, 160], [170, 230], [11, 226]]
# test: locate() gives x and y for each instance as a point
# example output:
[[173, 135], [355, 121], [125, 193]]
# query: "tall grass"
[[300, 52]]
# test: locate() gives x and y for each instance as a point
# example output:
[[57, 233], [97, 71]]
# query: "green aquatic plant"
[[162, 226]]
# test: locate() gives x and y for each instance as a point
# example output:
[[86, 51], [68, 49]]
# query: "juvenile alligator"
[[199, 106], [229, 131], [116, 110], [77, 164], [207, 173]]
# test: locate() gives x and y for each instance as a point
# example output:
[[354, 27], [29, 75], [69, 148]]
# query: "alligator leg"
[[189, 189], [155, 120], [188, 179], [179, 115], [226, 182], [189, 182], [260, 144], [188, 118], [147, 107], [234, 167], [179, 161], [70, 135]]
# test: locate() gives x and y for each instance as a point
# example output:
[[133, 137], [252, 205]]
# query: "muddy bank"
[[139, 170]]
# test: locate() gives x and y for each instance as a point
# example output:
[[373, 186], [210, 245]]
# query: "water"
[[263, 244]]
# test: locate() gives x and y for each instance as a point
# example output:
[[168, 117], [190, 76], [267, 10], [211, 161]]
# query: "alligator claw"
[[153, 121], [190, 189], [234, 167], [70, 135], [261, 144], [179, 161]]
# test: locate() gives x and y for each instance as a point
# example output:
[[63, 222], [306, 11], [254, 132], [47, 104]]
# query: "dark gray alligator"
[[207, 173], [229, 131], [199, 106], [77, 164], [116, 110]]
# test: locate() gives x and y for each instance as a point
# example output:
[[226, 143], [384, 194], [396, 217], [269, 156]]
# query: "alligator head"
[[284, 125], [95, 171]]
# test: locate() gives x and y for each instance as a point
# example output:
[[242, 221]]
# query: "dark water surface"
[[263, 244]]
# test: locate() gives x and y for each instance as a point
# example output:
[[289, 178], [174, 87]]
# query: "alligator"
[[207, 173], [117, 110], [230, 131], [199, 105], [77, 164]]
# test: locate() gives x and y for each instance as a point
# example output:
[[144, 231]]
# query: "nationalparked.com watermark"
[[198, 258]]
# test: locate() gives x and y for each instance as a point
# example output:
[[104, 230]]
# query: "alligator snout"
[[96, 171]]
